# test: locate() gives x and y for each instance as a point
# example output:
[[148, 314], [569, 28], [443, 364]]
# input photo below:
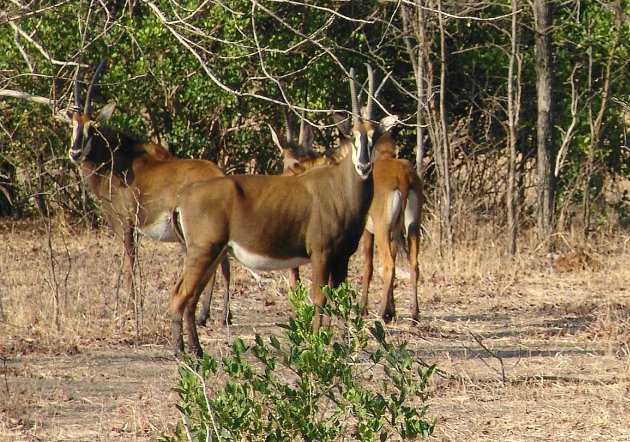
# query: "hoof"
[[388, 317], [178, 354], [198, 353], [202, 321], [227, 320]]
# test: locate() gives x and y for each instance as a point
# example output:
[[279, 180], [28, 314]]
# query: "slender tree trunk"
[[513, 105], [444, 145], [545, 134], [413, 19], [596, 116]]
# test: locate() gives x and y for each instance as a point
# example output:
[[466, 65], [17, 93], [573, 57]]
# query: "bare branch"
[[26, 96]]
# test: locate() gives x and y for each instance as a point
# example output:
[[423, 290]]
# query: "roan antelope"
[[271, 222], [394, 215], [136, 182]]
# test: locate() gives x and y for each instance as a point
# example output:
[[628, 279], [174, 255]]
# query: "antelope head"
[[84, 127], [294, 152], [362, 133]]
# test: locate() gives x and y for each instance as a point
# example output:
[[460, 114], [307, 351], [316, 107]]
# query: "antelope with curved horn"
[[272, 222], [394, 215], [136, 182]]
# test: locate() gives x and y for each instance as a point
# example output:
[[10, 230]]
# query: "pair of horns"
[[288, 120], [356, 113], [87, 108]]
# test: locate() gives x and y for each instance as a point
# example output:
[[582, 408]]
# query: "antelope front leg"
[[202, 319], [198, 269], [226, 317], [320, 277], [177, 312], [129, 268], [294, 277], [227, 312], [368, 268]]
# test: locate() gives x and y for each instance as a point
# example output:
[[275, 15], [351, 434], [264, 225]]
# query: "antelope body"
[[271, 222], [136, 182], [393, 218]]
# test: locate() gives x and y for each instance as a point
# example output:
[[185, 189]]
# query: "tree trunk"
[[545, 134], [414, 24], [513, 105], [596, 116], [447, 216]]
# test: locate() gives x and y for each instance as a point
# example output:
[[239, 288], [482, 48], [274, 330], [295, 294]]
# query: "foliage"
[[206, 79], [347, 380]]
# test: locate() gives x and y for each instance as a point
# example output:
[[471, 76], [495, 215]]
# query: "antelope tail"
[[403, 234], [177, 227]]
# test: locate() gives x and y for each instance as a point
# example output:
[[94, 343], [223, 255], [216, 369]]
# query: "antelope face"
[[82, 134], [362, 151]]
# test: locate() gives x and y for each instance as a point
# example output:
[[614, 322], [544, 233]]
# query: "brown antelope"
[[136, 182], [272, 222], [394, 215]]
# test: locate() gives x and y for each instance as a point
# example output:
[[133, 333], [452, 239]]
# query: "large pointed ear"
[[278, 139], [389, 122], [306, 137], [342, 122], [106, 113]]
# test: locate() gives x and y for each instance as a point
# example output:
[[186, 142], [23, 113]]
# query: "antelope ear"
[[278, 139], [106, 113], [343, 124], [389, 122]]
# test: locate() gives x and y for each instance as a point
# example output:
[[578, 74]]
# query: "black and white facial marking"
[[82, 133], [362, 151]]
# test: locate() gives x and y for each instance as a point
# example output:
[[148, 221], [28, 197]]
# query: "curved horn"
[[355, 99], [370, 95], [77, 89], [302, 119], [288, 122], [88, 96], [302, 128]]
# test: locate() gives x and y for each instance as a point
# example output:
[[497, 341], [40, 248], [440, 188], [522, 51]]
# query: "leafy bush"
[[336, 384]]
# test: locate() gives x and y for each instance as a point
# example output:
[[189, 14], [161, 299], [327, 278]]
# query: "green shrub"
[[337, 384]]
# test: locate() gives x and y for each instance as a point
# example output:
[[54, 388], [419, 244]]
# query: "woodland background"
[[515, 113]]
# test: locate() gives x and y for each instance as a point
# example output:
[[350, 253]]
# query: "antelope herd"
[[316, 212]]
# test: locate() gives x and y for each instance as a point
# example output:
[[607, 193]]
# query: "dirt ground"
[[525, 352]]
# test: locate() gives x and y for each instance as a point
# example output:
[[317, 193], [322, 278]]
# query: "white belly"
[[160, 229], [261, 262]]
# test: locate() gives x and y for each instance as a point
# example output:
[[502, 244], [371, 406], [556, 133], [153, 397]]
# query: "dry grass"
[[525, 352]]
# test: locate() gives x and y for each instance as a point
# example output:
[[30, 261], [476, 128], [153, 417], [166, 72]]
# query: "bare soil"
[[525, 351]]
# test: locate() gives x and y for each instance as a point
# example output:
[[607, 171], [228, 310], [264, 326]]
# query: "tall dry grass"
[[62, 288]]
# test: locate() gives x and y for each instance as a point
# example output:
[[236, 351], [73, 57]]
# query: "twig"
[[4, 359], [491, 353], [208, 404]]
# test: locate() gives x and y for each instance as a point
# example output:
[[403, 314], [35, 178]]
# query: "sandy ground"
[[524, 353]]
